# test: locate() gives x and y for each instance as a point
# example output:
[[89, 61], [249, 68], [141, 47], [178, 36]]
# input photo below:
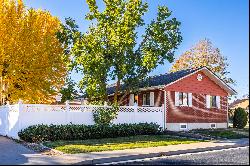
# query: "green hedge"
[[40, 133]]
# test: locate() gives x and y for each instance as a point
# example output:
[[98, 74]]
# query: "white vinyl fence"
[[14, 118]]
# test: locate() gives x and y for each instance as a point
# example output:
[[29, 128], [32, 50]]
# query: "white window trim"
[[176, 101], [218, 105], [183, 128], [212, 124], [143, 98], [189, 99], [207, 101], [131, 99], [152, 99]]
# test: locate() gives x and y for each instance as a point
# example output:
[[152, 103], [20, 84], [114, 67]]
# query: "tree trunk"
[[124, 95], [118, 83]]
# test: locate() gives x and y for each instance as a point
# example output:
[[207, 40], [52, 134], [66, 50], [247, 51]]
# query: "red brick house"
[[194, 98]]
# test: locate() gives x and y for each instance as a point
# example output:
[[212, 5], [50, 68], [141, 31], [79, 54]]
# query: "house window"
[[213, 103], [212, 125], [183, 98], [146, 99], [183, 126]]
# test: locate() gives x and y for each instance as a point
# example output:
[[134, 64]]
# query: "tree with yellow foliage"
[[32, 66], [204, 54]]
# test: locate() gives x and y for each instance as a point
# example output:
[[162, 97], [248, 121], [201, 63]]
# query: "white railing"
[[14, 118]]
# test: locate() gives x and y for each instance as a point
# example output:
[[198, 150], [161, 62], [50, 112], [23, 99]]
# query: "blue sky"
[[224, 22]]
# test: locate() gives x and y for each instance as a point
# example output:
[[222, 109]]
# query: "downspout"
[[165, 109], [227, 114]]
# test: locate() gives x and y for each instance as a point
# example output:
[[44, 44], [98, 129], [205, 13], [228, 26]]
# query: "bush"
[[105, 115], [240, 118], [40, 133]]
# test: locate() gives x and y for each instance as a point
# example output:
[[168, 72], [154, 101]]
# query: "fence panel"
[[14, 118], [130, 114], [3, 119]]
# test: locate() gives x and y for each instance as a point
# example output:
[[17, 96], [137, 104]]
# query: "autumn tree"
[[204, 54], [111, 49], [32, 67]]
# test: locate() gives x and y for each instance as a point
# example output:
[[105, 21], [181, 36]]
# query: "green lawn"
[[109, 144]]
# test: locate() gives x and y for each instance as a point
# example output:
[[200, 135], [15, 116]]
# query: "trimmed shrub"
[[104, 116], [40, 133], [240, 118]]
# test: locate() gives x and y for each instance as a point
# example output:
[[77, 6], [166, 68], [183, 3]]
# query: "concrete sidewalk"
[[139, 153], [13, 153]]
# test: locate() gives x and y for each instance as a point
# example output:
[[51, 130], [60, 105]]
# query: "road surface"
[[235, 156]]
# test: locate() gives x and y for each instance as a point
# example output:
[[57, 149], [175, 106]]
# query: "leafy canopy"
[[31, 63], [204, 54], [68, 91], [110, 49]]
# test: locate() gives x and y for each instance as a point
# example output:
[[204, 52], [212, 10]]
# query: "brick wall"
[[198, 113]]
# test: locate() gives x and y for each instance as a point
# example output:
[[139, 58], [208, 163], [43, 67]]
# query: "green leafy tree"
[[68, 91], [110, 49], [204, 54], [240, 118]]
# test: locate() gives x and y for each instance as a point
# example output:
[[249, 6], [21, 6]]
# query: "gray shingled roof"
[[157, 80]]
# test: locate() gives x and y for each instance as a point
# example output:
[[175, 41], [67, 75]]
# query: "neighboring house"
[[194, 98], [243, 103]]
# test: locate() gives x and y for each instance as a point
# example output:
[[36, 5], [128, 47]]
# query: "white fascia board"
[[213, 77], [210, 74], [147, 88], [218, 81]]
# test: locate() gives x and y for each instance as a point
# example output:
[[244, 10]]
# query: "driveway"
[[12, 153]]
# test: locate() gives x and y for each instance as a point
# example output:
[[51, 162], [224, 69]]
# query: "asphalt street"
[[238, 156]]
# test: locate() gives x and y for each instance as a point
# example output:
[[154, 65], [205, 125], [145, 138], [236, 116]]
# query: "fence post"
[[20, 111], [67, 105], [6, 131], [135, 112], [163, 115], [67, 111], [20, 105]]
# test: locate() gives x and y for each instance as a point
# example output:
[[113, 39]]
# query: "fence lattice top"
[[75, 108]]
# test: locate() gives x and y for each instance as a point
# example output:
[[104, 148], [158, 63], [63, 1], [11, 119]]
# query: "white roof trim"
[[213, 77], [146, 88], [209, 73]]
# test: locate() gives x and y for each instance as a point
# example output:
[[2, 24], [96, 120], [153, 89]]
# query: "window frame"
[[213, 101], [215, 126], [181, 99], [186, 128], [147, 94]]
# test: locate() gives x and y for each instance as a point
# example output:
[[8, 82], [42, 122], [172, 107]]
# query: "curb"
[[151, 155]]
